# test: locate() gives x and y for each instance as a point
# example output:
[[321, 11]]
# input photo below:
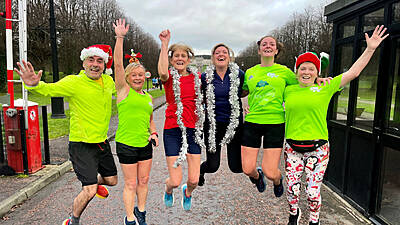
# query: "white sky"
[[204, 23]]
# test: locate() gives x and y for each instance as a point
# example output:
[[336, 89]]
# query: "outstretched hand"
[[376, 38], [27, 73], [120, 28], [165, 36]]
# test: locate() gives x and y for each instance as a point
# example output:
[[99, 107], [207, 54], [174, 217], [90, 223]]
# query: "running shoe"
[[67, 221], [312, 223], [278, 189], [102, 192], [126, 222], [186, 201], [168, 199], [140, 216], [294, 219], [201, 180], [260, 182]]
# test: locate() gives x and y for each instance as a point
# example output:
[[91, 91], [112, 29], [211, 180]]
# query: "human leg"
[[144, 168], [234, 152], [316, 163], [294, 167], [130, 172]]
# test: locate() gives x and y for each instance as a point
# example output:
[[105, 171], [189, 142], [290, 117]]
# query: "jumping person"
[[307, 146], [184, 118], [136, 129], [265, 84], [89, 94], [222, 87]]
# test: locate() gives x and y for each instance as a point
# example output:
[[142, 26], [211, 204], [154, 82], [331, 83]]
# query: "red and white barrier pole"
[[10, 84]]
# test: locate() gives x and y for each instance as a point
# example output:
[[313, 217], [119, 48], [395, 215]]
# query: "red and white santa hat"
[[103, 51]]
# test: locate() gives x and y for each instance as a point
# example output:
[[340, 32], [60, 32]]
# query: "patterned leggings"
[[314, 163]]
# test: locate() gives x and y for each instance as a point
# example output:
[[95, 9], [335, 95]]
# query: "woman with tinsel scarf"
[[265, 83], [184, 118], [222, 87]]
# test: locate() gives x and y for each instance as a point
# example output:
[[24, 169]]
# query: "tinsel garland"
[[233, 100], [179, 110]]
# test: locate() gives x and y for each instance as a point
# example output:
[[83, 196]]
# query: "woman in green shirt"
[[307, 146], [136, 128]]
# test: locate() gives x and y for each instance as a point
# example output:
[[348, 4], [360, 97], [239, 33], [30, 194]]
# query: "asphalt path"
[[226, 198]]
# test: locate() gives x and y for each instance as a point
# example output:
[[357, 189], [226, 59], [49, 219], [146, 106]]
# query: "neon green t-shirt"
[[89, 104], [134, 119], [266, 86], [306, 110]]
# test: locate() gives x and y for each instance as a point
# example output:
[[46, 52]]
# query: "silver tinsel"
[[179, 110], [233, 100]]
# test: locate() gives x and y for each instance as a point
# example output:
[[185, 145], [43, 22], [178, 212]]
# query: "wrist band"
[[119, 37], [155, 133]]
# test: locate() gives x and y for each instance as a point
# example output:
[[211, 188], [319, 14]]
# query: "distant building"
[[201, 62]]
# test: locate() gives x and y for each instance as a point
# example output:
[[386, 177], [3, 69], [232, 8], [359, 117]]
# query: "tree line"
[[305, 31], [79, 23]]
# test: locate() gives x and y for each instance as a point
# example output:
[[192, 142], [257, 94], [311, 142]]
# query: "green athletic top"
[[266, 86], [89, 104], [306, 110], [134, 119]]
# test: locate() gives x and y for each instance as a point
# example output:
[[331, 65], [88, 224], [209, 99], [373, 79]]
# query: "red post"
[[10, 85]]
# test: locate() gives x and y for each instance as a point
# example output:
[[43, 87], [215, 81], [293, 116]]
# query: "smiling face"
[[94, 67], [268, 47], [306, 74], [220, 57], [180, 60], [136, 78]]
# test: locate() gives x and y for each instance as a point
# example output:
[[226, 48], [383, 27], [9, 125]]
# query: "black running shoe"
[[294, 220], [140, 216], [260, 182], [278, 189], [201, 180], [312, 223]]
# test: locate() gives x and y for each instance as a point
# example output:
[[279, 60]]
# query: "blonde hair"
[[180, 46], [230, 51], [132, 66], [279, 45]]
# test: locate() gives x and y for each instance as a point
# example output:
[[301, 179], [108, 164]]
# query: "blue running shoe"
[[168, 199], [186, 201], [260, 182], [126, 222], [278, 189], [140, 216]]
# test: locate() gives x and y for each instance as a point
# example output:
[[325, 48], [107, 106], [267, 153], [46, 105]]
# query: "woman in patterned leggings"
[[307, 146]]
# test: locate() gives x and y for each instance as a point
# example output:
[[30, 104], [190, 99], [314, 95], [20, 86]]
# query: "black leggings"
[[212, 162]]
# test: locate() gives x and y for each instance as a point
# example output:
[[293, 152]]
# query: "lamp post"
[[57, 103]]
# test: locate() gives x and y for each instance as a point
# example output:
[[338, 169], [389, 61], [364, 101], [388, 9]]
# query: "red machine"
[[13, 137]]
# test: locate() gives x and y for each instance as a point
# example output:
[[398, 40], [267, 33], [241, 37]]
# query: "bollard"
[[23, 141], [45, 136]]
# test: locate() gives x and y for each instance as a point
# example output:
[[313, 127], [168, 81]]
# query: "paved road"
[[226, 198]]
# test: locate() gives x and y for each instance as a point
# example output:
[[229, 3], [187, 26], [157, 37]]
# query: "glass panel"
[[347, 29], [396, 12], [390, 203], [394, 119], [365, 106], [344, 58], [373, 19]]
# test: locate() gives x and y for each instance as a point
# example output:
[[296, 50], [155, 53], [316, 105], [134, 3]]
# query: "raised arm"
[[27, 74], [163, 59], [372, 43], [120, 32]]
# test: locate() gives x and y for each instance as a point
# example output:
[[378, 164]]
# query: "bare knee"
[[174, 183], [248, 170], [142, 181], [193, 181], [90, 191], [130, 185]]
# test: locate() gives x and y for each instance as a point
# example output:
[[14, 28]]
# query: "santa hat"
[[321, 63], [103, 51]]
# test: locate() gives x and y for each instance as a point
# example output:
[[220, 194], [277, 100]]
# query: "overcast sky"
[[204, 23]]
